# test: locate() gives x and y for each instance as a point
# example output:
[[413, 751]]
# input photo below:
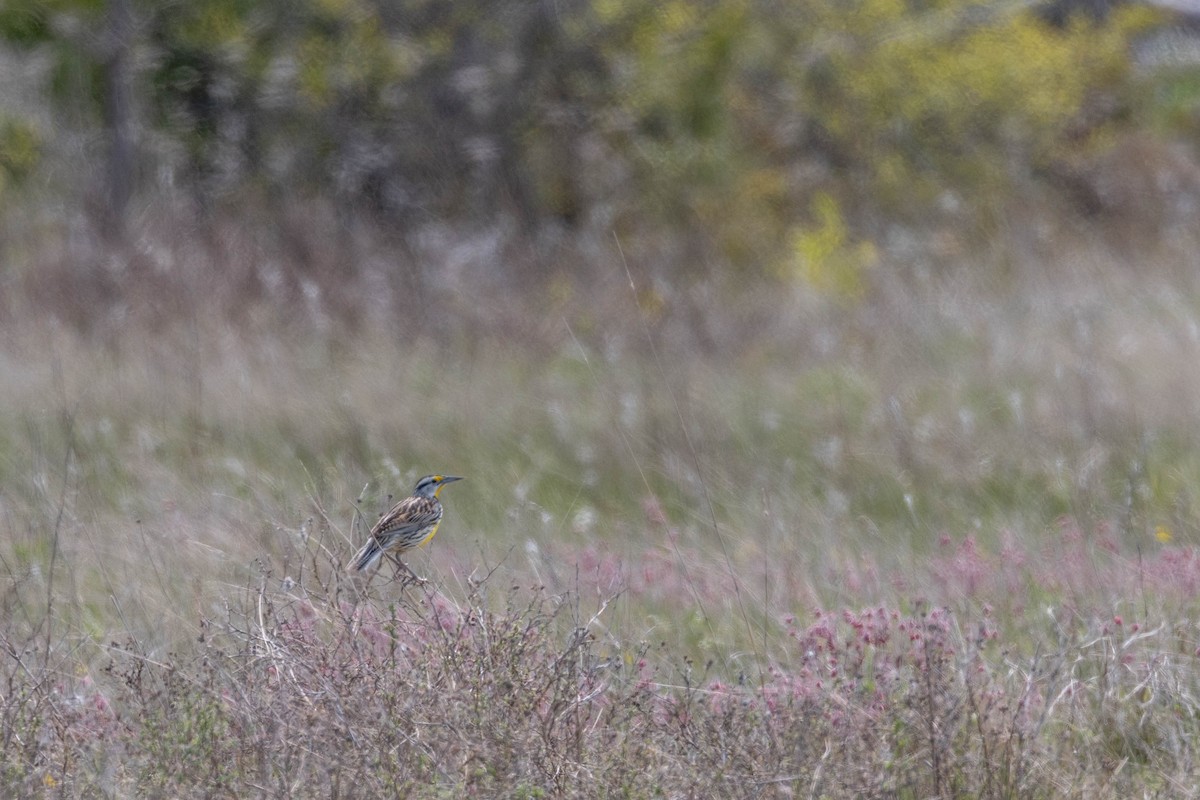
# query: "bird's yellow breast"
[[432, 531]]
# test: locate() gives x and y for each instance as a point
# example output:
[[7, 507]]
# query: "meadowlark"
[[411, 522]]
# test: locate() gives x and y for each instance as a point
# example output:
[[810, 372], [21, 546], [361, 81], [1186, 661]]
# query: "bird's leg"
[[400, 565], [397, 564], [415, 578]]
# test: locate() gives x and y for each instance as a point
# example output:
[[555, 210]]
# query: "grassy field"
[[937, 544]]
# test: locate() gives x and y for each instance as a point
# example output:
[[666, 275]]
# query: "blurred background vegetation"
[[368, 153]]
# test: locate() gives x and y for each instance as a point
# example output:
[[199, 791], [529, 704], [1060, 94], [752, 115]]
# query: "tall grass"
[[937, 544]]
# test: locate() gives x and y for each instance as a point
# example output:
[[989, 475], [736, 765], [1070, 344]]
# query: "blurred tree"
[[118, 108], [405, 109], [750, 129], [91, 76]]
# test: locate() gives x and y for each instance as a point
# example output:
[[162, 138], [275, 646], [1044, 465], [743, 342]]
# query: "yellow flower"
[[1162, 533]]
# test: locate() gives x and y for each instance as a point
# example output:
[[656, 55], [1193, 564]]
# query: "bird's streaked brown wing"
[[407, 520]]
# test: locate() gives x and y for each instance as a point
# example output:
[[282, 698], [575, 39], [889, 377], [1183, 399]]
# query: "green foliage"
[[887, 102], [20, 148], [824, 255], [921, 102], [25, 23], [692, 126]]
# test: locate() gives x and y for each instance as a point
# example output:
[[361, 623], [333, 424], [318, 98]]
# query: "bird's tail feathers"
[[367, 557]]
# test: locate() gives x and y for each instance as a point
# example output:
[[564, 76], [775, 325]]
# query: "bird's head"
[[430, 485]]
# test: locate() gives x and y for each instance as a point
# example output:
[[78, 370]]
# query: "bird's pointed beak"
[[451, 478]]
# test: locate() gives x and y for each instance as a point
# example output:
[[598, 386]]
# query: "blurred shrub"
[[961, 97], [19, 150], [743, 115], [824, 256]]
